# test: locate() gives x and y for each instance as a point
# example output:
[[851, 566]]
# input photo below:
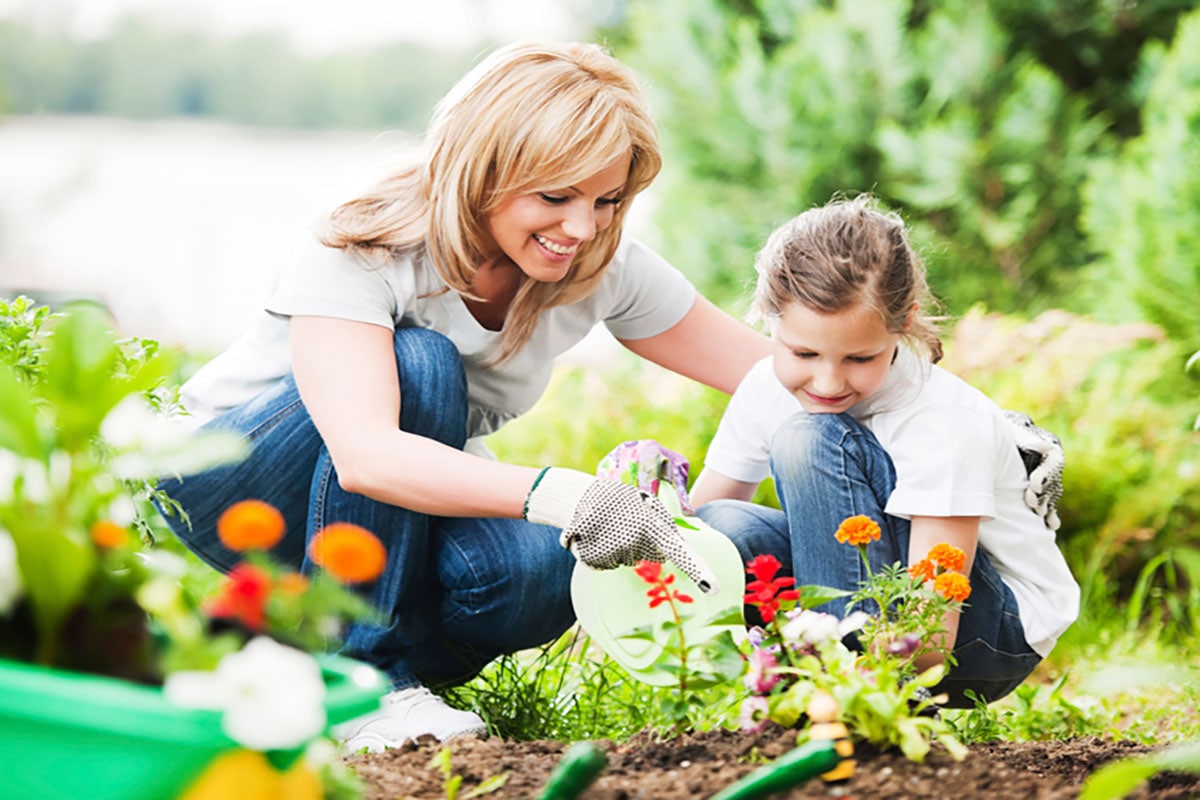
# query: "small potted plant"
[[120, 675]]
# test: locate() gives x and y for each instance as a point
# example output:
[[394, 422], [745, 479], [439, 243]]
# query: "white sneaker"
[[407, 714]]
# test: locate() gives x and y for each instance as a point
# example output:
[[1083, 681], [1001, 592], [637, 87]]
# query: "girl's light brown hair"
[[845, 254], [530, 117]]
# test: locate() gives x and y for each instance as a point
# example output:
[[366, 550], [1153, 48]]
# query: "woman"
[[439, 300]]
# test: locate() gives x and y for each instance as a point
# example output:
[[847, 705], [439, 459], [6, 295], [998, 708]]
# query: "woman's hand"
[[609, 524]]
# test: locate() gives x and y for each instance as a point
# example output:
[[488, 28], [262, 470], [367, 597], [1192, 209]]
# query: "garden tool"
[[580, 766], [612, 603]]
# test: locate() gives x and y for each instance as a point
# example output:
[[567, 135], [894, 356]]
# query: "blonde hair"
[[842, 255], [530, 117]]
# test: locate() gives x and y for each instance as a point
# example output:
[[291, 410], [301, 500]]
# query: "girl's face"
[[542, 232], [832, 361]]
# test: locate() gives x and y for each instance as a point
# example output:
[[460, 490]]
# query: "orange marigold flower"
[[293, 583], [948, 557], [923, 569], [109, 535], [250, 525], [858, 530], [348, 552], [952, 586]]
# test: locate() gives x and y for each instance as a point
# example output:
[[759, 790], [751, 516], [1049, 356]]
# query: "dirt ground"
[[697, 766]]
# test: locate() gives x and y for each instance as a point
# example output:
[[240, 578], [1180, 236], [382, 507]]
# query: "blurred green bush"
[[979, 121]]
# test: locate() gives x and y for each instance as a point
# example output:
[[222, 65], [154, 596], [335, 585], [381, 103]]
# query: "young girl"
[[849, 416], [429, 315]]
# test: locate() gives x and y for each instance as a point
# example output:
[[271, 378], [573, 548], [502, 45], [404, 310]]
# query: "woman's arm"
[[961, 532], [715, 486], [707, 345], [346, 374]]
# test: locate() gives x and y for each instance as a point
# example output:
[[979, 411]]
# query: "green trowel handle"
[[580, 765], [793, 767]]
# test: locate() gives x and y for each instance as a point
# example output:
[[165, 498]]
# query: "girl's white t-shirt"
[[640, 295], [954, 455]]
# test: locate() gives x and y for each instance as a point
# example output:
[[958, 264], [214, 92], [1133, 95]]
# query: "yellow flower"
[[349, 553], [293, 583], [250, 525], [952, 586], [858, 530], [948, 557]]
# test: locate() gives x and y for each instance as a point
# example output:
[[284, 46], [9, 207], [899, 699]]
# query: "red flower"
[[660, 591], [766, 591], [243, 596]]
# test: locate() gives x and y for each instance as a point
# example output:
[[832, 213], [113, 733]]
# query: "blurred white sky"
[[326, 25]]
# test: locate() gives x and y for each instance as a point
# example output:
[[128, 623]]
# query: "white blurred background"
[[179, 225]]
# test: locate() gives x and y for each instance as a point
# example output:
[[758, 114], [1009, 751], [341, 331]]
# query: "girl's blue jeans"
[[456, 592], [828, 467]]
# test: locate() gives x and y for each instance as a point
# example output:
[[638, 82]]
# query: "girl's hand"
[[609, 524], [645, 463], [1043, 455]]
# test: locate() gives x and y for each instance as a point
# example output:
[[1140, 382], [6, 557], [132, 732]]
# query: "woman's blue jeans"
[[828, 467], [456, 592]]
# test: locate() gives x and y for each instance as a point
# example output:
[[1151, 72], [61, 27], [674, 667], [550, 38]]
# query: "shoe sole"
[[375, 743]]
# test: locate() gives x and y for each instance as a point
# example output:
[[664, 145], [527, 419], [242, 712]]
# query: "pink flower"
[[753, 715], [761, 677]]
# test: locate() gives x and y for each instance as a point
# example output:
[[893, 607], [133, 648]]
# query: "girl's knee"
[[433, 386], [804, 434]]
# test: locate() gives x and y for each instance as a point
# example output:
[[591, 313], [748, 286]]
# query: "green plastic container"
[[70, 735]]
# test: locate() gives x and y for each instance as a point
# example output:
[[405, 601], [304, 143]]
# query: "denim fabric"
[[456, 592], [828, 467]]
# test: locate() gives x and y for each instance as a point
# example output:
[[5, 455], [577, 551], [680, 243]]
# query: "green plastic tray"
[[72, 735]]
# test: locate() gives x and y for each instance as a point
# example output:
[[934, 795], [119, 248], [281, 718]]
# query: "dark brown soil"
[[697, 766]]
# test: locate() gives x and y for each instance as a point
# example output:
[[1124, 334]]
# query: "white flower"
[[813, 627], [11, 586], [272, 696], [121, 511]]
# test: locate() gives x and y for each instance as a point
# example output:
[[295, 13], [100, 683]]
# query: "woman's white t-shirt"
[[639, 295], [954, 456]]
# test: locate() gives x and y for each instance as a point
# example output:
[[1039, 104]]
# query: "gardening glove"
[[1042, 453], [607, 524], [644, 463]]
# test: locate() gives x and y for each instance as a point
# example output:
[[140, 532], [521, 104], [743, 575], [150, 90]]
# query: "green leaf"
[[731, 615], [56, 566], [488, 785], [20, 429], [1118, 779], [683, 523], [813, 595]]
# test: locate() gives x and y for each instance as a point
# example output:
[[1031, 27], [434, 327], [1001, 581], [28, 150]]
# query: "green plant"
[[1142, 206], [452, 782], [84, 437], [881, 691], [695, 665], [1031, 715], [1124, 776]]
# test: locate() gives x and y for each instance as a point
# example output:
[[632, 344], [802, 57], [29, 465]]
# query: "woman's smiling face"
[[830, 362], [541, 232]]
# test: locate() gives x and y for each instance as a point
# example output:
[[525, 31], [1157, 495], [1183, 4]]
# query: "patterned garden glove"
[[1043, 455], [609, 524], [644, 463]]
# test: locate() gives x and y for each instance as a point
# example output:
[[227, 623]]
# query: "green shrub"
[[769, 108], [1118, 400], [1142, 207]]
